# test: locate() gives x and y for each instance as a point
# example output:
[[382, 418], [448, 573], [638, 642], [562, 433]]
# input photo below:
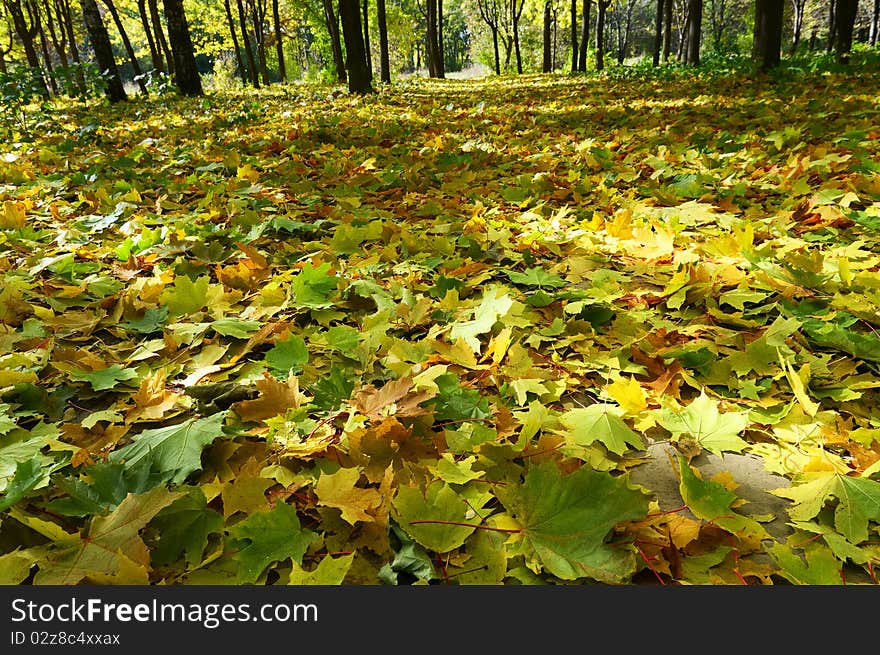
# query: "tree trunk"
[[384, 61], [27, 33], [44, 47], [600, 34], [65, 17], [433, 53], [695, 26], [186, 75], [768, 32], [155, 56], [658, 34], [135, 66], [258, 15], [335, 40], [875, 23], [797, 23], [246, 40], [495, 47], [103, 50], [547, 65], [279, 43], [159, 34], [573, 10], [517, 12], [356, 56], [238, 60], [845, 21], [585, 36], [832, 24], [441, 48], [365, 10], [58, 38], [667, 33]]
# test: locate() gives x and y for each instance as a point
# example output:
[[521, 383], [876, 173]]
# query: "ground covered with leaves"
[[426, 336]]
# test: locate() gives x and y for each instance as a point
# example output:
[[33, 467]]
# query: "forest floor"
[[531, 330]]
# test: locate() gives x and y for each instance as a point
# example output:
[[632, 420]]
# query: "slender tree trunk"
[[832, 24], [600, 34], [365, 10], [517, 12], [232, 32], [65, 18], [27, 33], [433, 53], [768, 32], [875, 23], [44, 48], [384, 61], [495, 48], [585, 36], [335, 40], [694, 31], [246, 40], [547, 65], [356, 56], [186, 74], [573, 10], [258, 14], [135, 66], [845, 20], [797, 24], [155, 56], [658, 34], [667, 32], [58, 38], [159, 34], [279, 42], [103, 50], [441, 48]]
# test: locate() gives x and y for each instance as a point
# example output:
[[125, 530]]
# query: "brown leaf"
[[393, 399], [276, 397]]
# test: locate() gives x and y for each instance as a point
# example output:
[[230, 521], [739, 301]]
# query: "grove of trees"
[[66, 45]]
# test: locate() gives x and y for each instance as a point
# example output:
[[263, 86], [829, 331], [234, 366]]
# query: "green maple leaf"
[[495, 304], [104, 486], [312, 286], [184, 527], [343, 338], [714, 431], [536, 277], [28, 474], [858, 502], [821, 566], [288, 355], [452, 403], [602, 423], [152, 321], [186, 296], [7, 422], [438, 503], [112, 542], [106, 378], [711, 501], [330, 571], [566, 520], [235, 327], [269, 537], [174, 451]]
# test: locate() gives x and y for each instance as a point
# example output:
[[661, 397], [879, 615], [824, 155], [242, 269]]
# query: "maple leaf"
[[566, 521], [714, 431], [111, 543], [268, 537], [495, 303], [312, 286], [601, 423], [436, 518], [330, 571], [339, 490], [275, 398], [184, 527], [174, 451], [858, 502]]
